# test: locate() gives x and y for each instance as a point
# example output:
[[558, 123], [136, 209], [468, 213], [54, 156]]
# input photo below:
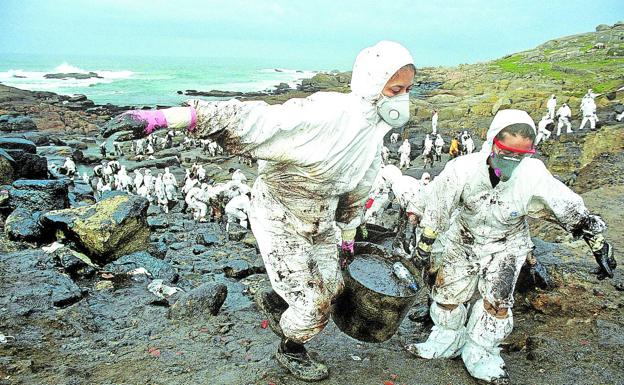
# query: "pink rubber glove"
[[348, 246], [154, 118]]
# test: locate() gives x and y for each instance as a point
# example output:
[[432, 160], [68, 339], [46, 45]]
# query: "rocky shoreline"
[[110, 290]]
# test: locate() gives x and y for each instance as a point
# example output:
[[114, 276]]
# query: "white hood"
[[503, 119], [375, 65]]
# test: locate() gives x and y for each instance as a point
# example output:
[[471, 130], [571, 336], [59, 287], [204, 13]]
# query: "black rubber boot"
[[272, 306], [294, 357]]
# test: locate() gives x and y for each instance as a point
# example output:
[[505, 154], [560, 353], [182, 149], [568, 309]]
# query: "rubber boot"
[[481, 353], [447, 336], [294, 357], [272, 306]]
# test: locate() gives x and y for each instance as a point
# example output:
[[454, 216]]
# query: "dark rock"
[[30, 284], [236, 232], [158, 249], [168, 161], [16, 123], [30, 166], [157, 222], [168, 238], [39, 195], [23, 225], [75, 264], [199, 249], [77, 98], [112, 193], [239, 268], [38, 138], [77, 144], [207, 238], [7, 168], [18, 144], [106, 230], [202, 301], [178, 245], [72, 75], [156, 267]]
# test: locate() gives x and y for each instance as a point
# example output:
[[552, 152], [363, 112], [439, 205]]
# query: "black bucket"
[[372, 314]]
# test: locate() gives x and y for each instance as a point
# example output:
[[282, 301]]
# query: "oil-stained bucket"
[[367, 310]]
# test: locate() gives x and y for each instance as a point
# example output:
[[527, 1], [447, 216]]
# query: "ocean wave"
[[36, 80], [13, 74]]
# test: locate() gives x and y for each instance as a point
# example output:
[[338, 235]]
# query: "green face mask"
[[504, 166]]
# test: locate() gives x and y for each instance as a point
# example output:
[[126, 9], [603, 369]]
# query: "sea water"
[[149, 81]]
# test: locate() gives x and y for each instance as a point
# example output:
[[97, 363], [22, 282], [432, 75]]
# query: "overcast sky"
[[330, 32]]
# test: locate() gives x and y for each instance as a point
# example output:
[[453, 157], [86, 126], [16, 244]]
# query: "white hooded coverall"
[[236, 210], [322, 155], [588, 108], [404, 152], [488, 238], [565, 113], [551, 105]]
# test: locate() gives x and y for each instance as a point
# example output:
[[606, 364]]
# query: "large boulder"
[[29, 165], [7, 168], [23, 225], [16, 123], [106, 230], [18, 144], [30, 283], [39, 195]]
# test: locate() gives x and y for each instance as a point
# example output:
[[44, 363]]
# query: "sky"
[[324, 32]]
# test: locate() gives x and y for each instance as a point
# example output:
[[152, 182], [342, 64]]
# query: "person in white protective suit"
[[379, 194], [322, 154], [124, 181], [148, 181], [469, 144], [551, 105], [564, 113], [434, 122], [385, 154], [171, 184], [238, 176], [588, 109], [394, 138], [404, 154], [237, 210], [542, 130], [485, 243], [161, 195], [439, 143], [138, 180], [70, 167]]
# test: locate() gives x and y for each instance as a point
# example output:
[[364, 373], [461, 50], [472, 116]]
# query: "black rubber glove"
[[124, 122], [606, 261]]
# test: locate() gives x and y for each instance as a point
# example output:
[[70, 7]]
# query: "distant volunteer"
[[320, 157], [480, 204]]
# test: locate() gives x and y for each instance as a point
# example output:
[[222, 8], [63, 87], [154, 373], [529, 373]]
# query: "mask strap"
[[517, 150]]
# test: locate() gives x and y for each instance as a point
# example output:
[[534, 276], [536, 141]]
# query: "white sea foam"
[[35, 80]]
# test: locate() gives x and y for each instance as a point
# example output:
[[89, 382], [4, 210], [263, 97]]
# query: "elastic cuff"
[[348, 235], [429, 233]]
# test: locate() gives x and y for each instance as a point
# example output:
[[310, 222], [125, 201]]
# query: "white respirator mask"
[[394, 110]]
